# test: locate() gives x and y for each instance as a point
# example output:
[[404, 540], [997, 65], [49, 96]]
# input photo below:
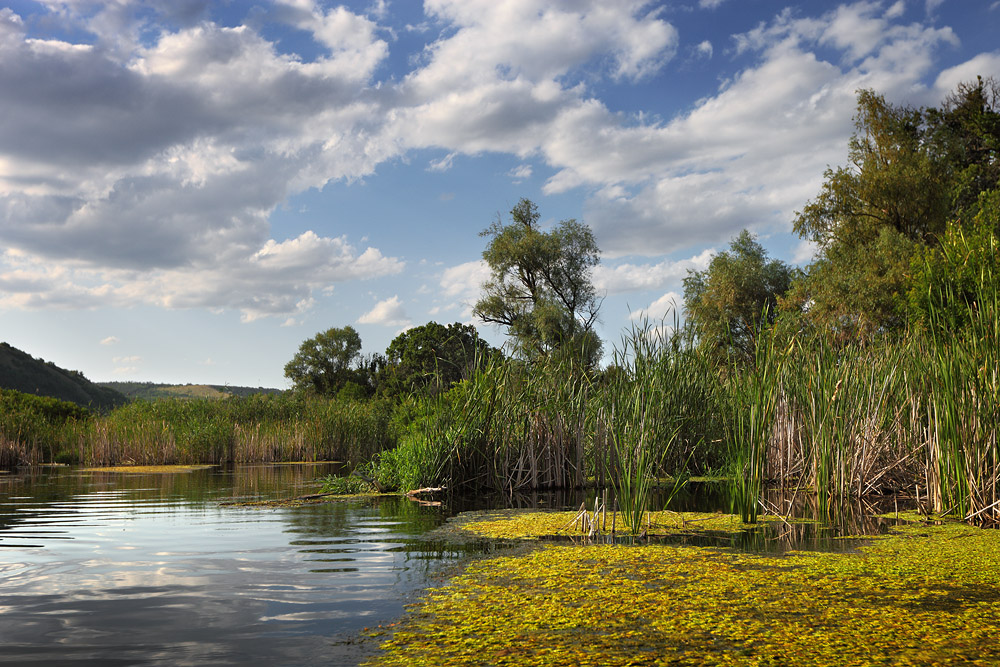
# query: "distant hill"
[[22, 372], [151, 390]]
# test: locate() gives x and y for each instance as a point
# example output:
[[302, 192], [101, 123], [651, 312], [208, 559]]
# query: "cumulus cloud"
[[388, 312], [110, 340], [461, 286], [753, 153], [661, 310], [982, 64], [628, 277], [142, 167], [151, 178]]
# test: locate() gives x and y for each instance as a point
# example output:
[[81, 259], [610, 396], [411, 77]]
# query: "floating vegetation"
[[925, 594], [513, 524], [149, 470]]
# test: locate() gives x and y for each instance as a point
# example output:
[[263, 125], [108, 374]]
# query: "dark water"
[[113, 569]]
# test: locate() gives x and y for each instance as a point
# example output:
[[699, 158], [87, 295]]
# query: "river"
[[154, 569]]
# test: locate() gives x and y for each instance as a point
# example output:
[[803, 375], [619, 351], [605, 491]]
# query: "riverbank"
[[925, 593]]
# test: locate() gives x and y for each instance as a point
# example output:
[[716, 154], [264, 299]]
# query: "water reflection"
[[108, 568]]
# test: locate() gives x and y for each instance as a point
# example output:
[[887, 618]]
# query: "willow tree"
[[540, 285]]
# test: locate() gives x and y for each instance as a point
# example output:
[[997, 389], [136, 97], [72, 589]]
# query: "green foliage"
[[856, 292], [349, 485], [431, 357], [965, 136], [36, 428], [540, 287], [641, 416], [909, 172], [736, 297], [950, 279], [153, 390], [751, 405], [893, 180], [326, 362]]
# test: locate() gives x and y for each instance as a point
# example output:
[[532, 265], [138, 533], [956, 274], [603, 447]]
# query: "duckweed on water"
[[924, 594]]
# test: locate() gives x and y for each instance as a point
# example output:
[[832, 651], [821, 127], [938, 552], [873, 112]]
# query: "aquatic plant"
[[640, 416], [752, 399], [922, 595]]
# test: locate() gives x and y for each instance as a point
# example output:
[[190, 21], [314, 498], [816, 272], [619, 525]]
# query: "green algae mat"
[[921, 595]]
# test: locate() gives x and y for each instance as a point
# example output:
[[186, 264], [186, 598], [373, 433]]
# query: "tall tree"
[[327, 362], [731, 301], [910, 172], [540, 284]]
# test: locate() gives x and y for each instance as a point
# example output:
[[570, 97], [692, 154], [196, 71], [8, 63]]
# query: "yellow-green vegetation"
[[924, 594], [514, 524], [148, 470]]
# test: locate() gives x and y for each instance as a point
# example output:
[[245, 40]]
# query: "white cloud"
[[461, 286], [704, 49], [150, 178], [127, 360], [984, 64], [389, 312], [632, 277], [662, 309], [144, 168], [931, 5], [804, 252], [520, 172], [750, 155], [896, 10], [110, 340]]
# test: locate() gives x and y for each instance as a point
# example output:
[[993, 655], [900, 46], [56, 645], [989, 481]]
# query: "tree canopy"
[[540, 285], [326, 363], [910, 172], [731, 301], [431, 356]]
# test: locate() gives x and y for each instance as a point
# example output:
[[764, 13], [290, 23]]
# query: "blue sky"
[[190, 189]]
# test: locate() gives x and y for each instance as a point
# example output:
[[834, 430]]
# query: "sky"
[[190, 189]]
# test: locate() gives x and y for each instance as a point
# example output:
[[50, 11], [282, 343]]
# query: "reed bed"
[[646, 414], [177, 431]]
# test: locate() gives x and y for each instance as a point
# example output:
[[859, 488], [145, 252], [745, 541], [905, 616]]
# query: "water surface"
[[110, 568]]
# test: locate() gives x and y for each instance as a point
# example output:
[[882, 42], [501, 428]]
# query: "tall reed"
[[962, 365], [644, 404], [752, 400]]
